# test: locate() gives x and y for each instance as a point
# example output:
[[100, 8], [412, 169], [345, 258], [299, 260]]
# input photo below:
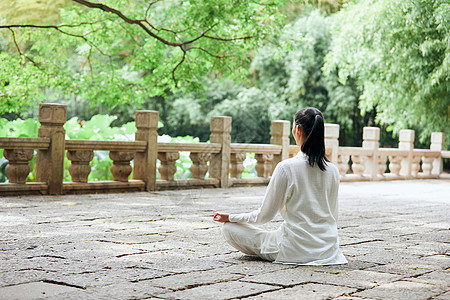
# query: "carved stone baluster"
[[358, 164], [199, 165], [121, 167], [236, 164], [167, 167], [427, 165], [415, 166], [79, 168], [437, 144], [381, 164], [343, 164], [264, 165], [18, 169], [394, 164]]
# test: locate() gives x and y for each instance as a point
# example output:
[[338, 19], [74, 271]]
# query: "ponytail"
[[312, 125]]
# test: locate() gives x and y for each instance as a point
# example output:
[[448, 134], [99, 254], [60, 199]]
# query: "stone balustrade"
[[219, 163]]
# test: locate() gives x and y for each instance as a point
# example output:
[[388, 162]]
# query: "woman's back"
[[309, 233]]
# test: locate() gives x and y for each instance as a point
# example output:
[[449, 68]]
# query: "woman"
[[304, 190]]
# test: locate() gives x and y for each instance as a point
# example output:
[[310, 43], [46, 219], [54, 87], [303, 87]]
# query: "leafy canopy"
[[399, 52], [124, 51]]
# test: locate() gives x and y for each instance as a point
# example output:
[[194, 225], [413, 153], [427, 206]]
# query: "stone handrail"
[[24, 143], [354, 151], [189, 147], [76, 145], [256, 148], [218, 164], [445, 154]]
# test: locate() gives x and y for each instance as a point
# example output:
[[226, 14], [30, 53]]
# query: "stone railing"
[[370, 162], [215, 164]]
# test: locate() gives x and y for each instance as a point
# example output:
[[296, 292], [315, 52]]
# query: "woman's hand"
[[220, 217]]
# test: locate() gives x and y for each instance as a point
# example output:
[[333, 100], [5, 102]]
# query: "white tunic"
[[306, 198]]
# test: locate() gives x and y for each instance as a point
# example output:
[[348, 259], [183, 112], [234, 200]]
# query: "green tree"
[[291, 69], [286, 76], [120, 52], [399, 53]]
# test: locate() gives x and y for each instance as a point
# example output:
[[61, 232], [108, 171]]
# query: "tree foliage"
[[399, 52], [125, 51], [286, 76]]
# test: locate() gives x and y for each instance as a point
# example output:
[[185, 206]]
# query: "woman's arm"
[[274, 199]]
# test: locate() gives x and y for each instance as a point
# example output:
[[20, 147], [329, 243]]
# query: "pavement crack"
[[45, 255], [260, 293], [361, 242], [128, 254], [64, 284]]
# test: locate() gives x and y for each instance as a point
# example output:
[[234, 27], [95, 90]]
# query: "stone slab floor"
[[164, 245]]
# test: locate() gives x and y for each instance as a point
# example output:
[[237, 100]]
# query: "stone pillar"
[[145, 162], [406, 142], [332, 141], [343, 164], [121, 167], [167, 168], [437, 144], [236, 164], [358, 165], [264, 166], [280, 136], [199, 166], [50, 162], [80, 168], [18, 168], [427, 165], [371, 138], [395, 164], [220, 133]]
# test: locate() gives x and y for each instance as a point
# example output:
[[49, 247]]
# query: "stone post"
[[50, 162], [220, 133], [332, 141], [280, 136], [371, 138], [145, 162], [406, 142], [437, 144]]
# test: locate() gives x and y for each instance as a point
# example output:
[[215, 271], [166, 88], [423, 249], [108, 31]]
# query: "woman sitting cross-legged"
[[304, 190]]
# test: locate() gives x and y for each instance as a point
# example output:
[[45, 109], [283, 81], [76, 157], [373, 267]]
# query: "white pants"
[[248, 239]]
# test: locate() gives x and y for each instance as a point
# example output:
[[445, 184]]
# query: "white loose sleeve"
[[274, 199]]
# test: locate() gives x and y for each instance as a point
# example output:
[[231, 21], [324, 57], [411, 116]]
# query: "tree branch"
[[176, 67], [228, 39], [13, 34], [210, 54], [141, 23]]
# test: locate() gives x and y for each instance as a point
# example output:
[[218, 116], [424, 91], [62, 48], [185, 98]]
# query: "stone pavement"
[[164, 245]]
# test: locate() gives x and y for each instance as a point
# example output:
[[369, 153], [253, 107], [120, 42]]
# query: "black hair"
[[310, 121]]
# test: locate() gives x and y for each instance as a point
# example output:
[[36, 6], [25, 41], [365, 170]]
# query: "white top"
[[306, 198]]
